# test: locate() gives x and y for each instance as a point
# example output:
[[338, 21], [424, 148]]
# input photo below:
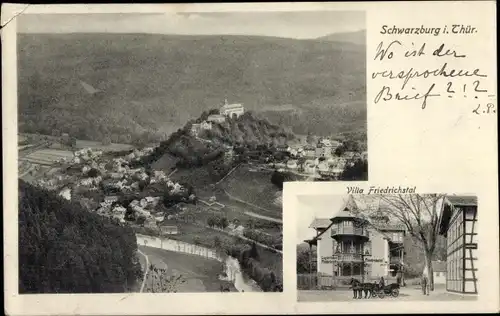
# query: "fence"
[[177, 246], [315, 282]]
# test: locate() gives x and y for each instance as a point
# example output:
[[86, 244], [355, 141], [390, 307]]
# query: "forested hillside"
[[65, 249], [247, 130], [145, 86]]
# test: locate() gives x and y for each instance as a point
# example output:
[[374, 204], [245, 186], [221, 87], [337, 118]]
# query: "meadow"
[[254, 187]]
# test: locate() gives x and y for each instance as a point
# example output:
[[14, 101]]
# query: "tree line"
[[65, 249]]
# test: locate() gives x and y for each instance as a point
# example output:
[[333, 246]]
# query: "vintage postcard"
[[253, 158]]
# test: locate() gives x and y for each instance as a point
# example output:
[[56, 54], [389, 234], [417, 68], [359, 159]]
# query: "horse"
[[358, 288]]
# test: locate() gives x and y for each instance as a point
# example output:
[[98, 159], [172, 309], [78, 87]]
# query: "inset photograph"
[[390, 247]]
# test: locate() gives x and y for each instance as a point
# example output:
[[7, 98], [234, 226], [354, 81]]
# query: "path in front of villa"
[[406, 294]]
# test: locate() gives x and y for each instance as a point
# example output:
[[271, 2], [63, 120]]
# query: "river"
[[232, 267]]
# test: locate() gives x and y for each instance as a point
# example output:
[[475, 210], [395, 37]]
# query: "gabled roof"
[[448, 206], [320, 223], [232, 106], [462, 200]]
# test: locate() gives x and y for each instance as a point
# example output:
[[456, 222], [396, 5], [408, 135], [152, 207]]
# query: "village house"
[[216, 118], [206, 125], [86, 169], [232, 110], [309, 167], [239, 230], [150, 222], [458, 224], [116, 175], [86, 182], [119, 213], [141, 176], [66, 193], [325, 142], [134, 186], [292, 164], [195, 129], [318, 152], [110, 199], [323, 167], [176, 188], [309, 151], [130, 156], [283, 148], [152, 200]]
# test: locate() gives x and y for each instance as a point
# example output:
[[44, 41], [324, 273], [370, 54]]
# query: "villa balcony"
[[395, 260], [348, 257], [353, 231]]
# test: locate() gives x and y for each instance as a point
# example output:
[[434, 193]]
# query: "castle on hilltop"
[[232, 110]]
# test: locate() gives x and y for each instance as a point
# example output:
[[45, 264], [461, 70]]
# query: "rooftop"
[[215, 116], [448, 209], [462, 200], [320, 223], [231, 106]]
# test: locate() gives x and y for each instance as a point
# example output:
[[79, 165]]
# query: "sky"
[[328, 206], [300, 25], [316, 206]]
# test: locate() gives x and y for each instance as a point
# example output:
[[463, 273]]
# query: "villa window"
[[347, 223]]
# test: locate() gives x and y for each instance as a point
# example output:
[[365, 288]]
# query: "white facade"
[[216, 118], [231, 110]]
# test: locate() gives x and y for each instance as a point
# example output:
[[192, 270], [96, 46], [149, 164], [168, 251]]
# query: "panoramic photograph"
[[153, 148], [395, 247]]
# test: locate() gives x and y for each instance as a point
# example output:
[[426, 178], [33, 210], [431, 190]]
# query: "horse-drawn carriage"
[[389, 290], [373, 289]]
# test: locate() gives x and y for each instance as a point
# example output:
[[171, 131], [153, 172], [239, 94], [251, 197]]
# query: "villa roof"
[[347, 209], [320, 223]]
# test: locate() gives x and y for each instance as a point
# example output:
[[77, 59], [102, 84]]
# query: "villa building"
[[232, 110], [458, 223], [349, 246]]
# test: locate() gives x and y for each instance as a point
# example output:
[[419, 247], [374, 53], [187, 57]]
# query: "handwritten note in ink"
[[424, 64]]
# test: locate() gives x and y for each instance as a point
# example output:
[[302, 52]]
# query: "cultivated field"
[[80, 144], [47, 156]]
